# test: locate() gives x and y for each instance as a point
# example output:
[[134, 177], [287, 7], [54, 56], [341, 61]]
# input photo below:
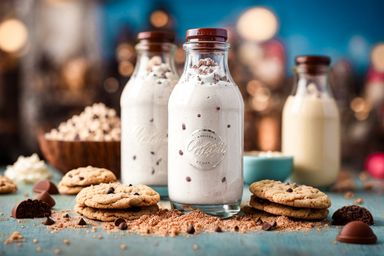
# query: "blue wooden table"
[[315, 242]]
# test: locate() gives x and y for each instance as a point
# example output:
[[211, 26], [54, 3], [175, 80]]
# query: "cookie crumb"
[[39, 249], [349, 195], [15, 237], [123, 247], [66, 242], [35, 241], [195, 247], [57, 251]]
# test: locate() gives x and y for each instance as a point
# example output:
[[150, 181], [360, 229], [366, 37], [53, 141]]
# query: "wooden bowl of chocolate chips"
[[90, 138]]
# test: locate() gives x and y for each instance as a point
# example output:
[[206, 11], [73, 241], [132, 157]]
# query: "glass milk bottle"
[[311, 124], [206, 119], [144, 112]]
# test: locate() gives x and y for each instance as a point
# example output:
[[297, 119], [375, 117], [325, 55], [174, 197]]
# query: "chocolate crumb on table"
[[15, 237]]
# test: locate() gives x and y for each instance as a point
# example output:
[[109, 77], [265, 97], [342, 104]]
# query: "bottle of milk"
[[144, 112], [206, 119], [311, 124]]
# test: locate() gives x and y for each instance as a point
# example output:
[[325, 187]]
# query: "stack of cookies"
[[108, 202], [289, 199], [75, 180]]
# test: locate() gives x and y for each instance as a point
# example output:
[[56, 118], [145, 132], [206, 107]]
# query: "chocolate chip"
[[81, 178], [130, 185], [70, 176], [223, 179], [236, 228], [134, 157], [259, 221], [118, 221], [218, 108], [66, 216], [151, 120], [158, 161], [269, 226], [218, 229], [191, 229], [183, 126], [82, 222], [198, 115], [45, 185], [123, 226], [188, 179], [289, 190], [49, 221], [181, 152], [136, 194], [111, 190], [228, 126], [153, 171], [152, 153]]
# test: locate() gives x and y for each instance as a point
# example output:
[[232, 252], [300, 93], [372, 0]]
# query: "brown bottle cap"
[[207, 34], [157, 36], [313, 60]]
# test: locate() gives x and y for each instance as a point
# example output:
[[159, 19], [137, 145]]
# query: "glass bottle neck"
[[312, 84], [149, 54], [198, 53]]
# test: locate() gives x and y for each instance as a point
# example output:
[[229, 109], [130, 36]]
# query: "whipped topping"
[[28, 169]]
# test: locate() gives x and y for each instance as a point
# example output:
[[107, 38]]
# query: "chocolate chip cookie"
[[293, 212], [113, 214], [290, 194], [7, 185], [75, 180], [117, 196]]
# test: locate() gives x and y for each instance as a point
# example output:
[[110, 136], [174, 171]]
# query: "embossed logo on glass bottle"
[[205, 149]]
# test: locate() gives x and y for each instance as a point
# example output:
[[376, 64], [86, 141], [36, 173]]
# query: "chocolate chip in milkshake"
[[224, 179], [153, 171], [151, 120], [188, 179], [134, 157], [228, 126], [181, 152], [198, 115], [183, 126], [217, 108]]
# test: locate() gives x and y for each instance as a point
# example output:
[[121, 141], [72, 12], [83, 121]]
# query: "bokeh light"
[[13, 35], [126, 68], [159, 19], [257, 24], [377, 57], [111, 85]]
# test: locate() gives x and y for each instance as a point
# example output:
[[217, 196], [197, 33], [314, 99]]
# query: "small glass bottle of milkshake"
[[206, 119], [311, 124], [144, 112]]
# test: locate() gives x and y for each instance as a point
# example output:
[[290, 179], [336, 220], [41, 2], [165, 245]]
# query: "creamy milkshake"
[[206, 129], [311, 125], [144, 112]]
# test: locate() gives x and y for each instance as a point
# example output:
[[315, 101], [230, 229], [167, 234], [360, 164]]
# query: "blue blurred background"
[[59, 56]]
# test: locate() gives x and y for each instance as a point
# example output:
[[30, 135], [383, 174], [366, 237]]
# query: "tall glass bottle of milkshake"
[[311, 124], [206, 119], [144, 112]]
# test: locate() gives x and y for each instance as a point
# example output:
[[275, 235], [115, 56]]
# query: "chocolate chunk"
[[183, 126], [191, 229], [111, 190], [45, 197], [49, 221], [357, 232], [81, 178], [152, 153], [181, 152], [136, 194], [289, 190], [82, 222], [66, 216], [223, 179], [198, 115], [217, 108], [236, 228], [269, 226], [118, 221], [31, 209], [259, 221], [130, 185], [228, 126], [123, 226], [351, 213], [45, 185], [218, 229], [188, 179]]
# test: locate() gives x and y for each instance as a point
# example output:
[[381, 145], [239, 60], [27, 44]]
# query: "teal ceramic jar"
[[266, 165]]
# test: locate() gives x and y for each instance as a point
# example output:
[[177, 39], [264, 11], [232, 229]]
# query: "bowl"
[[266, 165], [68, 155]]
